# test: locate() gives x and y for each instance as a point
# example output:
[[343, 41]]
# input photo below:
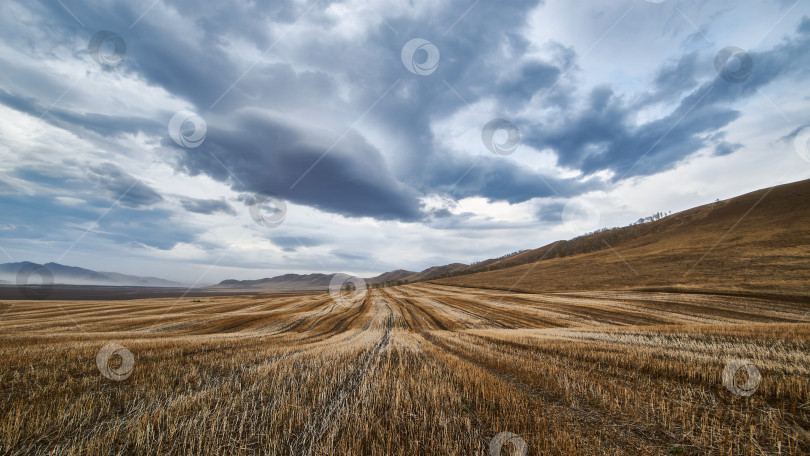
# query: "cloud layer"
[[311, 102]]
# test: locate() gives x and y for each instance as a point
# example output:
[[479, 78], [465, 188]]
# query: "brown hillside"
[[435, 272], [391, 276], [758, 242]]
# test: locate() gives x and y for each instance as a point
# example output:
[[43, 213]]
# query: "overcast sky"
[[199, 141]]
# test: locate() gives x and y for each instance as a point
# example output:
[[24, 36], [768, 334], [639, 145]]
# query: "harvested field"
[[417, 369]]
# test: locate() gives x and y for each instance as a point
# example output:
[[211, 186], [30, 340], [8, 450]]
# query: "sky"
[[208, 140]]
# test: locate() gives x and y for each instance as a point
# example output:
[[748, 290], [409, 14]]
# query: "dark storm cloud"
[[101, 124], [132, 221], [351, 255], [207, 206], [674, 78], [550, 211], [479, 60], [441, 213], [37, 217], [129, 192], [523, 85], [265, 153], [187, 49], [54, 177], [293, 243], [795, 132], [604, 135], [156, 228], [47, 220], [725, 148], [352, 179], [497, 180]]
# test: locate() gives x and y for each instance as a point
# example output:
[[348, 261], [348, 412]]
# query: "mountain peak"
[[74, 275]]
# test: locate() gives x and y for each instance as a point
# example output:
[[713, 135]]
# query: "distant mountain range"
[[302, 282], [320, 282], [771, 244], [688, 250], [286, 282], [71, 275]]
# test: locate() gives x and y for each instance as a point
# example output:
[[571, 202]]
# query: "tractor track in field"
[[590, 415], [321, 420]]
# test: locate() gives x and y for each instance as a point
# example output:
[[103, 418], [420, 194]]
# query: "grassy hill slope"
[[755, 243]]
